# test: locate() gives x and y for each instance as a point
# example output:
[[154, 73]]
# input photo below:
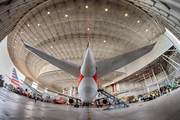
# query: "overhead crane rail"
[[116, 103]]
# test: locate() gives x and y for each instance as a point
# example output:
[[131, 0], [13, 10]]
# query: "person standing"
[[167, 91], [35, 97]]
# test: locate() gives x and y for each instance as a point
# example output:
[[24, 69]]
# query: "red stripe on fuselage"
[[15, 83], [15, 80], [80, 78], [96, 80]]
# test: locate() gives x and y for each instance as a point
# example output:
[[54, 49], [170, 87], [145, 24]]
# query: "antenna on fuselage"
[[88, 34], [89, 31]]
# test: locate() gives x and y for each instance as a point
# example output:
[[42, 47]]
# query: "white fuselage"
[[88, 83]]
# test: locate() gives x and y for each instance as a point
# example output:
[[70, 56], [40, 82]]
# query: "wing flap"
[[66, 66], [107, 66]]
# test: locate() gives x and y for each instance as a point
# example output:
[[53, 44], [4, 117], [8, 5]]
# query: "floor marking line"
[[89, 117]]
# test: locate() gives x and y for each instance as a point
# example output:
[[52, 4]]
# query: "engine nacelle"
[[104, 101], [71, 101]]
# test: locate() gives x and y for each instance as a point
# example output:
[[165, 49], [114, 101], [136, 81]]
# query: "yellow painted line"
[[89, 117]]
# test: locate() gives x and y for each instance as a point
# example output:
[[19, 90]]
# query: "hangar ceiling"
[[60, 28]]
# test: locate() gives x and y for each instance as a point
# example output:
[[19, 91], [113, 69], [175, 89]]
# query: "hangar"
[[60, 27]]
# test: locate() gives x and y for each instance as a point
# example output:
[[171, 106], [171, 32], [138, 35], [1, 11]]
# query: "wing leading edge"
[[107, 66], [68, 67]]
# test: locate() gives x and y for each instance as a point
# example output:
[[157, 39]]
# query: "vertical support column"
[[71, 91], [164, 72], [75, 92], [150, 78], [112, 87], [156, 80], [145, 84]]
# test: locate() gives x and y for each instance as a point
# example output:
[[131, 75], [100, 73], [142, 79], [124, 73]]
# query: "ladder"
[[118, 102]]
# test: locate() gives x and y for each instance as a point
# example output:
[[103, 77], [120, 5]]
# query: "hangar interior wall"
[[40, 88], [29, 82], [150, 82]]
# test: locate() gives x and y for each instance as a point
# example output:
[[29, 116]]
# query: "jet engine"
[[104, 101], [71, 101]]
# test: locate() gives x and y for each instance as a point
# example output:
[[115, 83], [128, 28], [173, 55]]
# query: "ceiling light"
[[28, 25], [66, 15], [38, 24], [21, 32], [146, 30], [48, 12], [138, 21], [87, 28], [36, 39], [86, 6], [104, 40], [154, 33], [51, 46], [151, 41], [126, 14], [106, 9]]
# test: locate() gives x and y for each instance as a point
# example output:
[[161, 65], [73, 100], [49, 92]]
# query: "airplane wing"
[[107, 66], [68, 67], [70, 97], [9, 78], [32, 89]]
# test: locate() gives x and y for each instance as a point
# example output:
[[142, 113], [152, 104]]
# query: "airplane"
[[90, 70], [39, 93], [21, 84], [14, 79]]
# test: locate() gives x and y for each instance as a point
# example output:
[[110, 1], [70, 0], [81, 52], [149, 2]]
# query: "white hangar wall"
[[129, 86]]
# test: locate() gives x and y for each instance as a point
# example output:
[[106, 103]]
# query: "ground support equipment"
[[118, 102]]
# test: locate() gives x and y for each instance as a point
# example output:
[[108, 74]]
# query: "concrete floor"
[[16, 107]]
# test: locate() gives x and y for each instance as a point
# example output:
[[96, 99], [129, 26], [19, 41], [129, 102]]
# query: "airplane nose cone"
[[88, 94]]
